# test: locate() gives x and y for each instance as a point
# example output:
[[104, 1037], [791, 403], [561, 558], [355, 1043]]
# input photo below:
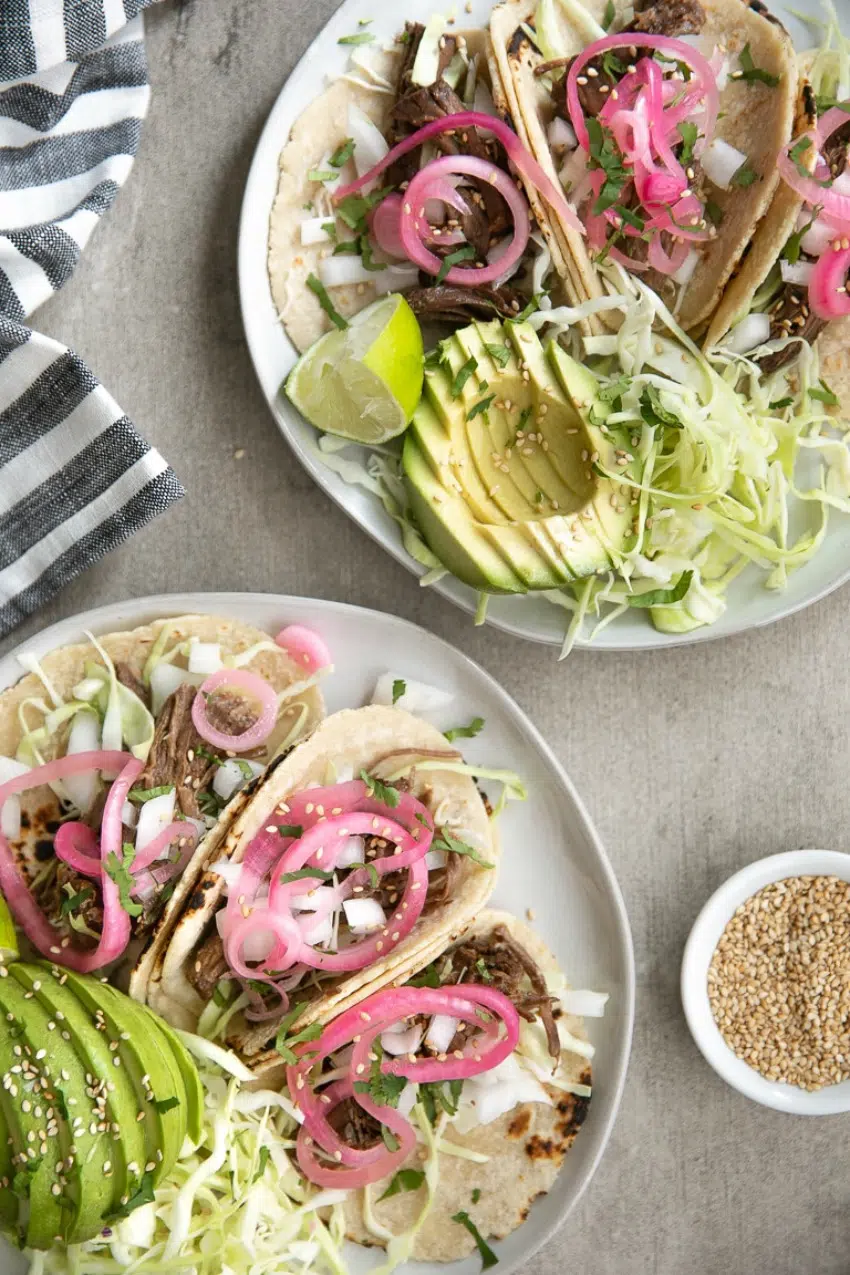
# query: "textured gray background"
[[692, 763]]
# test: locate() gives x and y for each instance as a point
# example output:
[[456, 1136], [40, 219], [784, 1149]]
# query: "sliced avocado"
[[78, 1056], [9, 1204], [40, 1142], [497, 508], [151, 1067], [191, 1081]]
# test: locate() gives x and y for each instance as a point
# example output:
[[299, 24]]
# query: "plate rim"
[[457, 593], [227, 602]]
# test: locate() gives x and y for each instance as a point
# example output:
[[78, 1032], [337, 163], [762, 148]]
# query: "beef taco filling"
[[336, 880]]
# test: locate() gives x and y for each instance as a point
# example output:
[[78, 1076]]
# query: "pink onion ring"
[[810, 188], [524, 163], [383, 1161], [828, 294], [76, 844], [305, 647], [384, 226], [255, 686], [413, 223]]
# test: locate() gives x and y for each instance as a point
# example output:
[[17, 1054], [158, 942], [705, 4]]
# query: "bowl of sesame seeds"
[[766, 981]]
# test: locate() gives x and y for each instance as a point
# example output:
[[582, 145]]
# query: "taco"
[[110, 775], [335, 234], [662, 124], [449, 1067], [791, 290], [358, 856]]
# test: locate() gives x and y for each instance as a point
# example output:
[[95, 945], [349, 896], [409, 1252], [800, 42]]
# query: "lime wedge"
[[8, 937], [363, 383]]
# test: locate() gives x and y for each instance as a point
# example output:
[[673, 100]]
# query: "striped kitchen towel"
[[76, 478]]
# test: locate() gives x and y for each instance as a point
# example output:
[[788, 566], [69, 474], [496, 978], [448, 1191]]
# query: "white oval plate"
[[554, 864], [750, 604]]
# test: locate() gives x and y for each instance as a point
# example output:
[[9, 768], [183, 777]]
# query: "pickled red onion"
[[370, 1164], [255, 686], [76, 844], [384, 226], [524, 163], [834, 204], [828, 294], [306, 647]]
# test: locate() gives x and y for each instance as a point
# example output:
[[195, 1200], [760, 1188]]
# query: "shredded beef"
[[790, 315], [510, 968], [834, 150], [127, 676], [354, 1125], [174, 738], [209, 967], [51, 893], [445, 303], [668, 17], [230, 713]]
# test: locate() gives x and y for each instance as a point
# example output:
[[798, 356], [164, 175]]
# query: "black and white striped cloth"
[[76, 478]]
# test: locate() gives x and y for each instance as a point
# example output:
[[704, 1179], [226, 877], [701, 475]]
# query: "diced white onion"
[[84, 737], [817, 238], [441, 1032], [10, 818], [720, 162], [418, 697], [752, 331], [395, 279], [229, 777], [229, 873], [370, 145], [313, 230], [363, 915], [129, 814], [165, 680], [685, 272], [354, 851], [561, 133], [311, 900], [583, 1003], [402, 1042], [407, 1100], [317, 933], [436, 859], [796, 271], [154, 815], [205, 657], [427, 61], [345, 271]]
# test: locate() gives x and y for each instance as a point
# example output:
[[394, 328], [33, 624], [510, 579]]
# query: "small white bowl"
[[699, 949]]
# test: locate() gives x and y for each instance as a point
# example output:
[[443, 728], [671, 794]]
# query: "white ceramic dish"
[[699, 949], [554, 863], [750, 604]]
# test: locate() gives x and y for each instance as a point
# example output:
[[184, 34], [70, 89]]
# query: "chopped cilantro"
[[222, 992], [321, 175], [435, 358], [210, 803], [532, 308], [265, 1156], [404, 1180], [653, 410], [290, 829], [462, 376], [524, 418], [824, 395], [374, 876], [316, 286], [381, 792], [166, 1104], [144, 1195], [481, 967], [342, 153], [605, 155], [73, 902], [745, 176], [329, 228], [474, 728], [688, 132], [476, 1194], [480, 408], [446, 841], [304, 873], [488, 1257], [345, 247], [399, 688], [780, 403], [614, 392], [384, 1090], [367, 258], [284, 1043], [611, 65], [660, 597], [794, 244], [363, 37], [796, 153], [631, 218], [147, 794], [501, 354], [119, 871], [825, 103], [466, 253], [440, 1093], [609, 15], [425, 978], [713, 212], [354, 208], [750, 72]]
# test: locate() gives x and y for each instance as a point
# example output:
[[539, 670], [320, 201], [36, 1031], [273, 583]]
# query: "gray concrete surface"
[[692, 763]]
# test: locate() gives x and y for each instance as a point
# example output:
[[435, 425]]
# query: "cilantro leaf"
[[609, 15], [290, 829], [688, 132], [210, 803], [374, 876], [399, 688], [476, 1194], [265, 1156], [316, 286], [466, 253], [480, 408], [347, 247], [631, 218], [404, 1180], [284, 1043], [429, 977], [304, 873], [354, 208], [481, 967], [446, 841], [524, 418], [606, 155], [384, 1090], [166, 1104], [223, 992], [435, 358], [713, 212], [474, 728], [119, 871], [462, 376], [342, 153], [322, 175], [745, 176], [750, 72], [363, 37], [824, 395], [74, 902], [778, 404], [500, 353], [825, 103], [381, 792], [653, 410], [796, 153], [488, 1257], [389, 1138], [614, 392], [793, 246], [532, 308], [660, 597], [144, 1195], [147, 794]]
